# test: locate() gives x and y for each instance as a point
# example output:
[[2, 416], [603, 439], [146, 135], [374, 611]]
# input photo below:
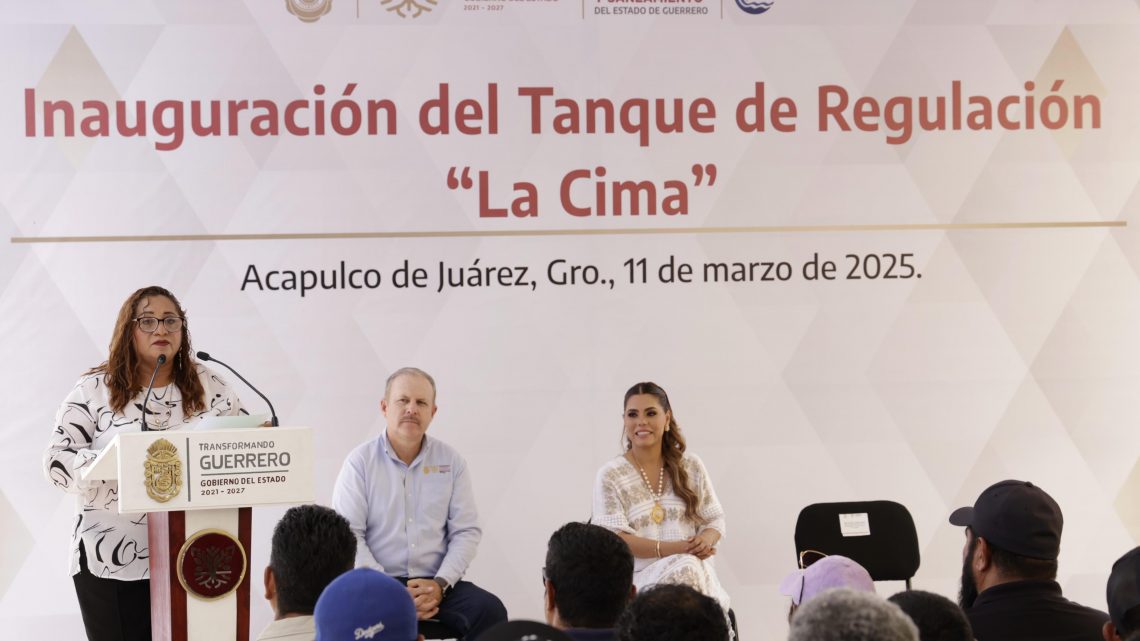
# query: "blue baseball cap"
[[365, 604]]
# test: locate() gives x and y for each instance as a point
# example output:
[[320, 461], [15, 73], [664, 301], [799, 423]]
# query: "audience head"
[[365, 604], [1124, 598], [825, 574], [588, 577], [1013, 533], [672, 613], [936, 617], [843, 614], [312, 545]]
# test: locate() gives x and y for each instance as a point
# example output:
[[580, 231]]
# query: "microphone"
[[203, 356], [161, 362]]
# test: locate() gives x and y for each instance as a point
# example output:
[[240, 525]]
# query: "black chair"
[[879, 535]]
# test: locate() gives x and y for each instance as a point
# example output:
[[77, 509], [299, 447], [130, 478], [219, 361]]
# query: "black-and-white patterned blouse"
[[116, 544]]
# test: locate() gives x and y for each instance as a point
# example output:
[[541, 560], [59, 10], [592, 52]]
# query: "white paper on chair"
[[858, 524]]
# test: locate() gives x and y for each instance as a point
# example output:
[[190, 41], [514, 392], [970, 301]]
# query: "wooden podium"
[[197, 488]]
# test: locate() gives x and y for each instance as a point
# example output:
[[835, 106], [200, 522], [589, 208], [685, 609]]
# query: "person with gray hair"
[[409, 501], [843, 614]]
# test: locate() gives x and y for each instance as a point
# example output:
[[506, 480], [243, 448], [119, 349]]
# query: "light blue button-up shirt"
[[415, 520]]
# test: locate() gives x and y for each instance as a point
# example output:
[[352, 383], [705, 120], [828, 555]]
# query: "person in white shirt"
[[409, 501], [109, 561]]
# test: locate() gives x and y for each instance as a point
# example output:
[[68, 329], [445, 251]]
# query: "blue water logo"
[[755, 7]]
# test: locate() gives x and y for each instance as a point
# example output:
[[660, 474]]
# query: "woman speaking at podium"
[[109, 552]]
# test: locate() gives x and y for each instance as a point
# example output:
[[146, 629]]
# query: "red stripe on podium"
[[245, 530]]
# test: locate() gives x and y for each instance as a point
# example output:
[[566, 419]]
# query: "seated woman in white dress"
[[659, 499]]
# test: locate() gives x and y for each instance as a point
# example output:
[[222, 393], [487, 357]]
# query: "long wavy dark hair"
[[672, 447], [125, 380]]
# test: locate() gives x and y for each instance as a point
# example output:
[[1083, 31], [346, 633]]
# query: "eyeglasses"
[[806, 560], [807, 557], [544, 577], [149, 324]]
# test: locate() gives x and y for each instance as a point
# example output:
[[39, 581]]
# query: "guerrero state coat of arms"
[[163, 471]]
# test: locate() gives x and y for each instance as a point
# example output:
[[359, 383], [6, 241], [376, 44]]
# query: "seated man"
[[1009, 588], [1124, 599], [588, 581], [673, 613], [842, 614], [937, 618], [365, 604], [408, 500], [312, 545]]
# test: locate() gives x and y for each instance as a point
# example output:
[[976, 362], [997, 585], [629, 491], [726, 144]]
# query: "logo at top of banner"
[[755, 7], [409, 8], [308, 10]]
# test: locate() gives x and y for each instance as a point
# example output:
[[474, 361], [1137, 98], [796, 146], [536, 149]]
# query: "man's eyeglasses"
[[544, 577], [149, 324]]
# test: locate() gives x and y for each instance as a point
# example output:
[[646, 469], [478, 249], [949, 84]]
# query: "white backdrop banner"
[[873, 250]]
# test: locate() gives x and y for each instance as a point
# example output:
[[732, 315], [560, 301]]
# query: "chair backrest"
[[879, 535]]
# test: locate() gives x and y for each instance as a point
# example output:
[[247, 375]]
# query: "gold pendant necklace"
[[658, 512]]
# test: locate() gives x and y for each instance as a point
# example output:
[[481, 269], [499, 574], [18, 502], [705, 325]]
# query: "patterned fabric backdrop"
[[981, 320]]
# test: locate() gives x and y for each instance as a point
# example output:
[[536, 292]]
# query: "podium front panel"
[[200, 591], [195, 470]]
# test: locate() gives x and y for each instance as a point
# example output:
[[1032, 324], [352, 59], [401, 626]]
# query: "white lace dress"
[[623, 503]]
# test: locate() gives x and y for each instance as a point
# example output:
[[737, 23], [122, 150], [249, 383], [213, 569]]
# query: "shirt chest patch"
[[437, 469]]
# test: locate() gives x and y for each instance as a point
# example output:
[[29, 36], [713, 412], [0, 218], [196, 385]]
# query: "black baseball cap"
[[1124, 588], [1016, 516]]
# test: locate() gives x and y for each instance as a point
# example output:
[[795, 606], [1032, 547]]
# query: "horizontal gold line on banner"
[[775, 229]]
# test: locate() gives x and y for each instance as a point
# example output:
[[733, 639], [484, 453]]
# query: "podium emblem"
[[211, 564], [163, 471]]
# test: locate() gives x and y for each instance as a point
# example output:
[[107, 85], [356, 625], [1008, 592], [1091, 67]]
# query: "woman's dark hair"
[[124, 380], [672, 447]]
